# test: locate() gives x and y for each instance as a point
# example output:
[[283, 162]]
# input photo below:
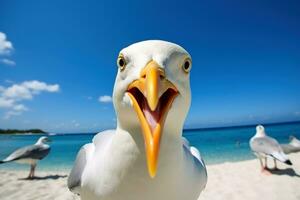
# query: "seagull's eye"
[[187, 65], [121, 62]]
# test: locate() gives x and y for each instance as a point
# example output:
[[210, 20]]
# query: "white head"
[[43, 140], [152, 92], [260, 131]]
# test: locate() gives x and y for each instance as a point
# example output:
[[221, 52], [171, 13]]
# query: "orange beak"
[[152, 96]]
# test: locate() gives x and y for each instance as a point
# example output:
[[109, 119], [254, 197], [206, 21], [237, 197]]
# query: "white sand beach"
[[243, 180], [240, 180]]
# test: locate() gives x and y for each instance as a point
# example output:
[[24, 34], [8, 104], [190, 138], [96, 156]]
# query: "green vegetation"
[[14, 131]]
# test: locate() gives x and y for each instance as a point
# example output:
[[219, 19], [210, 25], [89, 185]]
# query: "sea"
[[216, 145]]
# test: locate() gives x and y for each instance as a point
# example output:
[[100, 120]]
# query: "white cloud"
[[37, 86], [105, 99], [11, 113], [6, 103], [20, 108], [17, 92], [5, 46], [8, 62], [28, 89], [11, 96]]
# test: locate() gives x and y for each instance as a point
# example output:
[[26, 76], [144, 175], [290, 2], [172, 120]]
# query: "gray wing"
[[100, 141], [74, 180], [193, 152], [36, 152], [268, 146]]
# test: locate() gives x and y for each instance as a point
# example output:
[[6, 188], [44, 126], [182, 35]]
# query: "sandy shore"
[[47, 186], [231, 181], [244, 181]]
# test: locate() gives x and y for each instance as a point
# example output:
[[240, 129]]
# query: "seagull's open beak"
[[152, 96]]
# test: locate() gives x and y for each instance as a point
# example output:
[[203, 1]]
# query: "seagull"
[[145, 157], [30, 154], [293, 146], [294, 141], [265, 146]]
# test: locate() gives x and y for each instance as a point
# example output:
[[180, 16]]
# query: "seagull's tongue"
[[152, 117]]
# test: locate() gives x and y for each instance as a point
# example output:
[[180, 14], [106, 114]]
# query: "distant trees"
[[13, 131]]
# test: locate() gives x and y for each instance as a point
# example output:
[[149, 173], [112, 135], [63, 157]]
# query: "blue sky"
[[58, 57]]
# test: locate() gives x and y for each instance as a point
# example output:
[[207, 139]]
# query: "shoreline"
[[229, 181], [208, 128], [67, 168], [30, 134]]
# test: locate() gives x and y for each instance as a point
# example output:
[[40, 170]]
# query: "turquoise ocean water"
[[216, 145]]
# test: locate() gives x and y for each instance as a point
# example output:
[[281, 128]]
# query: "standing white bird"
[[264, 146], [30, 154], [151, 99], [292, 147]]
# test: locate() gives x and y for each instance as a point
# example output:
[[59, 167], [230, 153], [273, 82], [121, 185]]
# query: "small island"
[[16, 131]]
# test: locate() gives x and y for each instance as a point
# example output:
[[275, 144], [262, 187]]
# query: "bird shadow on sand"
[[287, 171], [53, 177]]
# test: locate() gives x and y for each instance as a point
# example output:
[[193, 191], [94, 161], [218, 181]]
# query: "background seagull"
[[30, 154], [264, 146], [146, 156], [292, 147]]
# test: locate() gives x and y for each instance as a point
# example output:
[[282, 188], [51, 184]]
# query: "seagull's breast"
[[119, 171], [108, 162]]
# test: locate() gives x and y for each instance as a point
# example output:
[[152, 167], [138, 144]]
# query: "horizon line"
[[194, 129]]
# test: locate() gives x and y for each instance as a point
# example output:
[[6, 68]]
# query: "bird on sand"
[[293, 146], [30, 154], [145, 157], [294, 141], [264, 146]]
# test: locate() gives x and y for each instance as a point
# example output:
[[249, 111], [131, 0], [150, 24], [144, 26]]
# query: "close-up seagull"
[[264, 146], [30, 154], [145, 157]]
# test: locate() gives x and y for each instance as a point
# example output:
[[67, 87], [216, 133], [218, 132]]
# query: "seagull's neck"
[[260, 134], [39, 142]]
